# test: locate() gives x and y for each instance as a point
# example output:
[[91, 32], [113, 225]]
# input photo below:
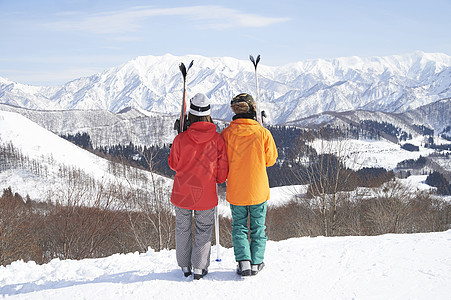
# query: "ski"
[[182, 119], [255, 63]]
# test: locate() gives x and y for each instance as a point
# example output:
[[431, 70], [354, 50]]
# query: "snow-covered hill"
[[44, 157], [435, 115], [403, 266], [392, 84], [104, 127]]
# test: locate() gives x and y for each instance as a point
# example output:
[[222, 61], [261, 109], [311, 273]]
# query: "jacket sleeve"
[[174, 155], [223, 164], [270, 149]]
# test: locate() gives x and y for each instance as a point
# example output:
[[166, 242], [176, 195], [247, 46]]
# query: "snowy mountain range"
[[393, 84]]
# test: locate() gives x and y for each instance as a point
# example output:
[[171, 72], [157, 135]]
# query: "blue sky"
[[46, 42]]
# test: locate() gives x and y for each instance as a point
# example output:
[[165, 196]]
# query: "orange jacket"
[[198, 156], [250, 149]]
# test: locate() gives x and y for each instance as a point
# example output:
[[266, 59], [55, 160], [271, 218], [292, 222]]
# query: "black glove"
[[177, 125]]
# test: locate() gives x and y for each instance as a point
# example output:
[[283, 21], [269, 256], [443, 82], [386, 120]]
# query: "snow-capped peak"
[[394, 83]]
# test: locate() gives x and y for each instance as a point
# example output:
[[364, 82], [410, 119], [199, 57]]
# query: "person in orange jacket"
[[250, 149], [198, 156]]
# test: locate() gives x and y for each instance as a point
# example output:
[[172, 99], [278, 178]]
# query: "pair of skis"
[[182, 120], [184, 70]]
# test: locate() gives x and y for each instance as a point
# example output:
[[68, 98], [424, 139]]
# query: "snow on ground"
[[25, 183], [417, 183], [284, 194], [404, 266], [369, 153]]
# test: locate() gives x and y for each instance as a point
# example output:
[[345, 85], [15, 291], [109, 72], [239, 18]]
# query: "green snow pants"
[[243, 249]]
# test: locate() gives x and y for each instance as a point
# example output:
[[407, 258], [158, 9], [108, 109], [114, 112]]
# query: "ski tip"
[[254, 61], [182, 69]]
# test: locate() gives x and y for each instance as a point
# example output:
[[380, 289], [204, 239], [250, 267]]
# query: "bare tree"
[[150, 213], [18, 240], [82, 221], [323, 168], [391, 210]]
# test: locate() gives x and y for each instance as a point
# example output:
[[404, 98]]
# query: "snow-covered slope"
[[393, 84], [36, 142], [54, 155], [403, 266], [435, 115], [358, 154], [104, 127]]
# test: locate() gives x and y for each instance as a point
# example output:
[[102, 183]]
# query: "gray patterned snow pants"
[[189, 252]]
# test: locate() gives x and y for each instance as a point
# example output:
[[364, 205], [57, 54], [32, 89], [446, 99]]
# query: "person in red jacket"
[[199, 158]]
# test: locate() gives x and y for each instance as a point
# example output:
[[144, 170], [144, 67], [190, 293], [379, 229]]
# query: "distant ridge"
[[395, 84]]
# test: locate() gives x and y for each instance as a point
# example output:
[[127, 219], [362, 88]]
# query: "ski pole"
[[218, 256], [255, 63], [184, 71]]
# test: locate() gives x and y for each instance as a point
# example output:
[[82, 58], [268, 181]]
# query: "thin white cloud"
[[59, 69], [131, 20], [42, 78]]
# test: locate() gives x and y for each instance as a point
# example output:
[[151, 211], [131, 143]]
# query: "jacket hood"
[[201, 132], [244, 127]]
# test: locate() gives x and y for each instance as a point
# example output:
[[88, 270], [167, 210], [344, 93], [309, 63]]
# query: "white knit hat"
[[200, 105]]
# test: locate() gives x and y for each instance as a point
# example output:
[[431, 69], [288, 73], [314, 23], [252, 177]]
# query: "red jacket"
[[199, 158]]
